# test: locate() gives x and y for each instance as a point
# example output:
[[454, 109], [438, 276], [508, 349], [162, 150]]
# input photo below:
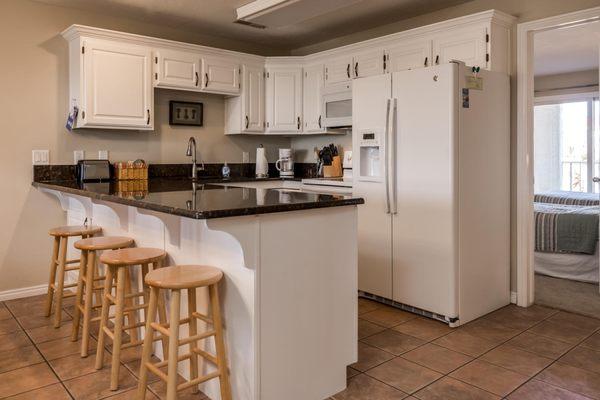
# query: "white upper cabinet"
[[468, 45], [338, 70], [117, 85], [368, 63], [313, 83], [220, 75], [409, 54], [284, 99], [176, 69], [253, 99]]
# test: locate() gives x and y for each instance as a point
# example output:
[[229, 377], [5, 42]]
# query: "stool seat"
[[103, 243], [184, 276], [75, 230], [132, 256]]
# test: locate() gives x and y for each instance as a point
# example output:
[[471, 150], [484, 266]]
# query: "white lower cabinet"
[[311, 100], [220, 75], [116, 89], [284, 99], [468, 45], [176, 69]]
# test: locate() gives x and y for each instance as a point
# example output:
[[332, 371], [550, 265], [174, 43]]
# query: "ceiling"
[[215, 18], [565, 50]]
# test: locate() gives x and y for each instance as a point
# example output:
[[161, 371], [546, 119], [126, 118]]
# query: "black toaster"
[[93, 170]]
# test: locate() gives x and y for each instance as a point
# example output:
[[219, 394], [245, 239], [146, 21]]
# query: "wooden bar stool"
[[59, 264], [118, 262], [86, 284], [179, 278]]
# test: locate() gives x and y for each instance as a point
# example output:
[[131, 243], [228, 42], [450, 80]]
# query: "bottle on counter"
[[225, 171]]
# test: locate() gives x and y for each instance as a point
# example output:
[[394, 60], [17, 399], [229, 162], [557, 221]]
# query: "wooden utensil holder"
[[334, 170]]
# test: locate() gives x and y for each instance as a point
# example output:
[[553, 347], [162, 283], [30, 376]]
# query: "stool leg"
[[162, 315], [130, 302], [220, 343], [78, 299], [52, 279], [108, 281], [87, 306], [118, 332], [148, 343], [173, 345], [58, 292], [193, 332]]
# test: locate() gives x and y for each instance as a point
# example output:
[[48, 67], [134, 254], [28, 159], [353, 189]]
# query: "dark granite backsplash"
[[45, 173]]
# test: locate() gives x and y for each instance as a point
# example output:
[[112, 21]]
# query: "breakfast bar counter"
[[290, 264]]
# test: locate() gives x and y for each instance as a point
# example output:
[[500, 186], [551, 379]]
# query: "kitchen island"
[[290, 262]]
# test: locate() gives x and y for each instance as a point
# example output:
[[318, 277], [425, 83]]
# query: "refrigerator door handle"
[[393, 161], [386, 157]]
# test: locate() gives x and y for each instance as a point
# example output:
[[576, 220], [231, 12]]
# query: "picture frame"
[[186, 113]]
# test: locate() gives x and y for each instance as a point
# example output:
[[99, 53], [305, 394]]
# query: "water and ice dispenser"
[[371, 154]]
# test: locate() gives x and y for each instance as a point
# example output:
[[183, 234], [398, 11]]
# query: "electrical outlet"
[[102, 154], [40, 157], [78, 155], [245, 157]]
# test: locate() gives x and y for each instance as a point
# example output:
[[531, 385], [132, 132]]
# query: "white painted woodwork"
[[253, 99], [220, 75], [338, 69], [284, 99], [463, 44], [368, 63], [117, 85], [409, 55], [313, 83], [174, 69]]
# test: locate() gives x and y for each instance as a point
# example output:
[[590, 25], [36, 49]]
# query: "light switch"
[[103, 155], [78, 155], [40, 157]]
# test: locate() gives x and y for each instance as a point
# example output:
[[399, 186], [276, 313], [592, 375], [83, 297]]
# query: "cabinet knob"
[[148, 119], [348, 70], [298, 123], [247, 122], [426, 59], [319, 121], [205, 79], [197, 78], [356, 69], [437, 59]]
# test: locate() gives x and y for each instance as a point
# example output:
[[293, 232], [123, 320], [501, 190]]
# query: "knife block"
[[334, 170]]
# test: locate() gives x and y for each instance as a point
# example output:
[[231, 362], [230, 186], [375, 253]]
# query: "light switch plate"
[[78, 155], [40, 157], [103, 155], [245, 157]]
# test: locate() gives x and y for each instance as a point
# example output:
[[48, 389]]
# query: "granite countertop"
[[201, 199]]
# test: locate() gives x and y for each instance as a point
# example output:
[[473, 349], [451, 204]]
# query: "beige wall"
[[567, 83]]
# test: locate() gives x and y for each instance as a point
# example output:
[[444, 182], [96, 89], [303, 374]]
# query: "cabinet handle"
[[319, 121], [384, 63], [148, 119], [197, 79], [247, 122], [298, 123], [206, 79], [426, 59], [356, 69], [437, 59], [348, 70]]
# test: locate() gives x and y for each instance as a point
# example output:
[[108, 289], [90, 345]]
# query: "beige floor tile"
[[130, 395], [19, 357], [579, 321], [519, 318], [74, 365], [516, 360], [363, 387], [52, 392], [583, 357], [350, 372], [36, 320], [4, 312], [34, 305], [366, 328], [14, 340], [9, 325], [64, 347], [463, 342], [540, 345], [562, 331], [404, 375], [26, 379], [393, 342], [134, 368], [369, 357], [49, 332], [366, 305], [159, 388], [387, 316], [451, 389], [437, 358], [97, 384], [424, 328], [571, 378], [593, 342], [489, 377], [538, 390], [490, 330]]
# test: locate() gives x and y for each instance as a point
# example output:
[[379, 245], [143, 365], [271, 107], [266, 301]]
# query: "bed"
[[566, 235]]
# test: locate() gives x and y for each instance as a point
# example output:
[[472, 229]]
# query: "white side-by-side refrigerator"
[[432, 160]]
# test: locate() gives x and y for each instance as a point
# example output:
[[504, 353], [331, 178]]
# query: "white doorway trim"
[[524, 152]]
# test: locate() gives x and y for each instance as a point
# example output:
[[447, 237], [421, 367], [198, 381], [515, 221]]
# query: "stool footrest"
[[134, 295], [198, 380], [202, 317], [200, 336], [160, 328], [76, 268], [133, 326], [157, 371], [206, 355], [73, 261], [179, 358], [136, 307]]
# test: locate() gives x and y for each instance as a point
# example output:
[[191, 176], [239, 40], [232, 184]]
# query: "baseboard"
[[513, 297], [23, 292]]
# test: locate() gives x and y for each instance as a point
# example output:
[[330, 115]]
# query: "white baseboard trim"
[[513, 297], [23, 292]]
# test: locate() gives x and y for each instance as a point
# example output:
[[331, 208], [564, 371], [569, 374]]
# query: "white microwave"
[[337, 106]]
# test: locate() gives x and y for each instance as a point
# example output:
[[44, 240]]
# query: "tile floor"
[[513, 353], [536, 353]]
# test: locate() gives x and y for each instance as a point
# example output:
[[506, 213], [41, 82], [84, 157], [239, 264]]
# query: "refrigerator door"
[[370, 100], [425, 222]]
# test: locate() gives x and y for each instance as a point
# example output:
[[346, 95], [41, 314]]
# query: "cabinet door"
[[284, 99], [117, 84], [409, 55], [253, 99], [338, 70], [463, 44], [176, 69], [312, 85], [220, 75], [368, 63]]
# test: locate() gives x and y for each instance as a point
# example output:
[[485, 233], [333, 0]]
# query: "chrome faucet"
[[191, 152]]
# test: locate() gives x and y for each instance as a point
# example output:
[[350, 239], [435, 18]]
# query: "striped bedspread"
[[568, 198]]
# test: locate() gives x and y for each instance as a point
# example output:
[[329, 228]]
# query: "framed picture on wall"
[[185, 113]]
